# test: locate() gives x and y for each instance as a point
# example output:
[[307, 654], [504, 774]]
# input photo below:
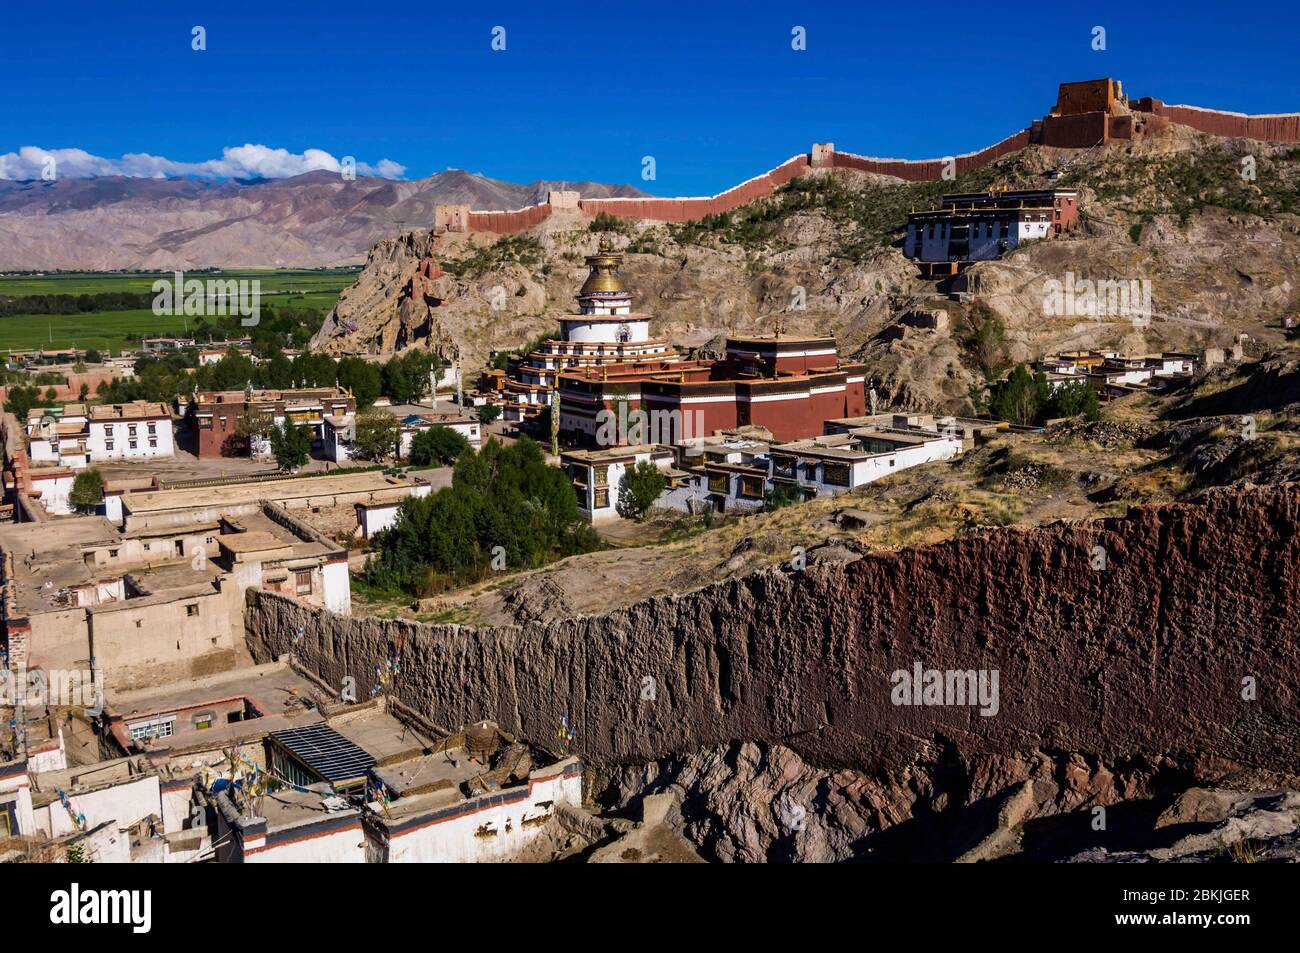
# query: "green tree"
[[488, 413], [641, 486], [397, 383], [363, 378], [20, 400], [377, 434], [985, 338], [437, 446], [504, 508], [94, 357], [276, 372], [256, 424], [291, 445], [87, 489], [1075, 399], [1022, 397], [314, 370], [604, 222]]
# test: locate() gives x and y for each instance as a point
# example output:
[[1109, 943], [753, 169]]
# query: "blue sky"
[[712, 90]]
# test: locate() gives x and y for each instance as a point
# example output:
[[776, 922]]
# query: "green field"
[[110, 329]]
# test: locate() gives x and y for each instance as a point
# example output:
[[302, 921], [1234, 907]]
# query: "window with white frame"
[[154, 728]]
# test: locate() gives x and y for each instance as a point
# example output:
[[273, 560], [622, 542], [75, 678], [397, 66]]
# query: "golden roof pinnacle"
[[604, 271]]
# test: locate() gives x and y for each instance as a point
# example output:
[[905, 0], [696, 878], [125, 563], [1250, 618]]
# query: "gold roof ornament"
[[604, 266]]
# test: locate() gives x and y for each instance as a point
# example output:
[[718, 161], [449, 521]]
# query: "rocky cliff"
[[1220, 255], [1124, 650]]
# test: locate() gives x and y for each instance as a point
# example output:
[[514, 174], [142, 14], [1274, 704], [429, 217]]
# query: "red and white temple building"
[[605, 331], [607, 360], [790, 385]]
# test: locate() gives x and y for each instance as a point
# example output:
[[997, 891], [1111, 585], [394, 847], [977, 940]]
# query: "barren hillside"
[[308, 221], [1221, 253]]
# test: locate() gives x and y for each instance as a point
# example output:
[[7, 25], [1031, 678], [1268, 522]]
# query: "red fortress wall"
[[694, 209], [1075, 125], [928, 170], [1280, 128]]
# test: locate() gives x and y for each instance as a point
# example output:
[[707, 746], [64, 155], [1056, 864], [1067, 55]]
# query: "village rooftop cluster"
[[193, 750]]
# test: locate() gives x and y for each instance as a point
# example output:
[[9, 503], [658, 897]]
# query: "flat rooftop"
[[382, 736], [136, 410], [848, 445], [613, 454], [284, 698], [89, 777], [273, 688], [429, 782], [269, 535], [779, 339], [241, 494], [252, 542], [270, 396], [287, 809], [47, 559]]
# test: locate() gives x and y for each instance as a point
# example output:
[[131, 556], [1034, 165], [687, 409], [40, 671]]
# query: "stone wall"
[[1138, 662]]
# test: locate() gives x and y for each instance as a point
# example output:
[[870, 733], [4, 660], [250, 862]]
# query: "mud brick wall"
[[1280, 128], [1142, 660], [694, 209], [1081, 131], [509, 223], [928, 170]]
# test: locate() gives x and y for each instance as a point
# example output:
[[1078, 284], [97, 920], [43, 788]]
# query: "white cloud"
[[237, 162]]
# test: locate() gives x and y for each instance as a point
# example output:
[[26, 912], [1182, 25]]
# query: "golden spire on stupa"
[[604, 270]]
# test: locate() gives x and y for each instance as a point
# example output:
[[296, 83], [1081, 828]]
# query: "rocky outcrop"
[[1212, 826], [403, 299], [1161, 642]]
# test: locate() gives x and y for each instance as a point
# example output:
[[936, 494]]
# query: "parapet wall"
[[694, 209], [678, 210], [509, 223], [1183, 646], [929, 170], [1275, 128], [1088, 121]]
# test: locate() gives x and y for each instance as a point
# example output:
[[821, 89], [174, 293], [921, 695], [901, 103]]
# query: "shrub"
[[641, 486], [437, 446], [87, 489]]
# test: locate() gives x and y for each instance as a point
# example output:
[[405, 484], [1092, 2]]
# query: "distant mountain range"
[[311, 221]]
